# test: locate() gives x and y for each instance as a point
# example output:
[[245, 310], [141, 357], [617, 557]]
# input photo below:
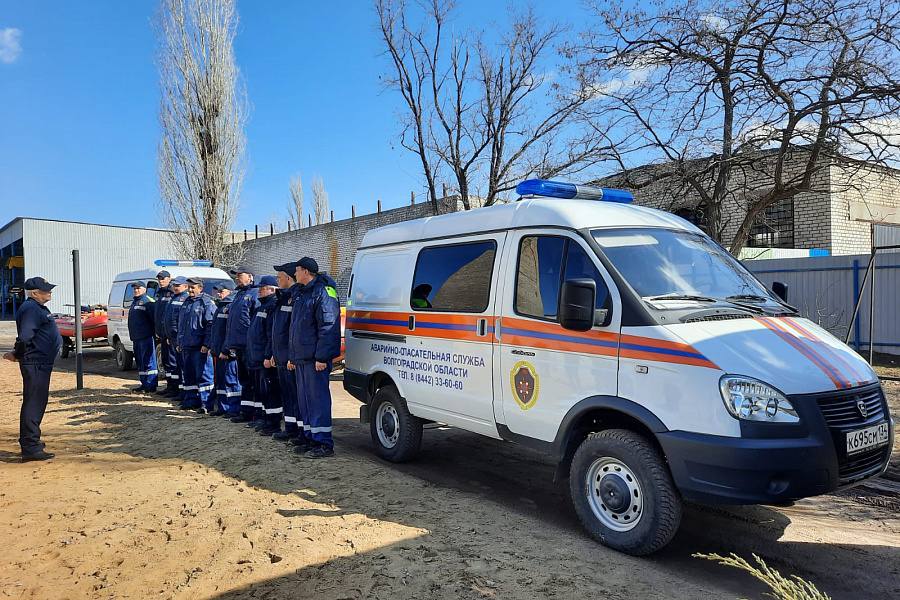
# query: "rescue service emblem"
[[525, 384]]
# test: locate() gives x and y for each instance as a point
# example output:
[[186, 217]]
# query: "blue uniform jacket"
[[38, 340], [245, 303], [171, 315], [163, 298], [316, 321], [220, 319], [281, 325], [259, 336], [195, 322], [141, 318]]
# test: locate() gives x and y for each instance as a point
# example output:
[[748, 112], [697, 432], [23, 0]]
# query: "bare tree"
[[202, 114], [295, 209], [320, 201], [728, 99], [485, 112]]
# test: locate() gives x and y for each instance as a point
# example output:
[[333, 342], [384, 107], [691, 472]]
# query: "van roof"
[[534, 212], [202, 272]]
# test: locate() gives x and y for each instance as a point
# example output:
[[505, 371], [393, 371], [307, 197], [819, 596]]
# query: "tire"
[[623, 492], [124, 358], [66, 349], [396, 433]]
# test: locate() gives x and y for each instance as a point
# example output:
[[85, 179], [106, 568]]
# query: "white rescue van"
[[121, 295], [619, 340]]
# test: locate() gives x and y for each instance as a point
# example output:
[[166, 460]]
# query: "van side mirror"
[[780, 289], [576, 304]]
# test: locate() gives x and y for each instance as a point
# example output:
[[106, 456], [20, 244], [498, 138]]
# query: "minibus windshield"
[[680, 264]]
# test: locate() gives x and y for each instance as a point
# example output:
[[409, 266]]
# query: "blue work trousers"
[[145, 356], [293, 419], [198, 378], [246, 380], [267, 393], [228, 388], [170, 363], [314, 397]]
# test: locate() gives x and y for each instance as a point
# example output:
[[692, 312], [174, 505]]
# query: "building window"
[[774, 228], [454, 278]]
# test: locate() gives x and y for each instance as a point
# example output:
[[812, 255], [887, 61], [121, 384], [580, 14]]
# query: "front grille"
[[841, 410], [862, 465]]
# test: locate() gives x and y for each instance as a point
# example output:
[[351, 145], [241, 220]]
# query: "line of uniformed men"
[[260, 354]]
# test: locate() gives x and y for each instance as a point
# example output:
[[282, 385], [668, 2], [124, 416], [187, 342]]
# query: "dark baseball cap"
[[309, 264], [289, 267], [194, 281], [39, 283], [240, 269], [163, 275], [138, 283], [223, 285], [179, 281], [268, 280]]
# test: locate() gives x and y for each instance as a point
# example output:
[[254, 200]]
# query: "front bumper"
[[763, 469]]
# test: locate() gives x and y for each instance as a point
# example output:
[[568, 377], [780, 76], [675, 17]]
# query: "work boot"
[[281, 436], [320, 452], [269, 431], [218, 413], [139, 390], [240, 419], [39, 455], [302, 446], [201, 411]]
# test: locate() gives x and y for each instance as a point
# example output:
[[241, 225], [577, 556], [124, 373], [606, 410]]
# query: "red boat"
[[93, 327]]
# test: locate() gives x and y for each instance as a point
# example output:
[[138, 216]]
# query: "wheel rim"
[[120, 355], [614, 494], [387, 424]]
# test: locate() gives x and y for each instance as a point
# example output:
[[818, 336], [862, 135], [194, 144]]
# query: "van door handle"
[[412, 322], [482, 328]]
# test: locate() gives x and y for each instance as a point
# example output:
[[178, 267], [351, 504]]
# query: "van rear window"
[[454, 278]]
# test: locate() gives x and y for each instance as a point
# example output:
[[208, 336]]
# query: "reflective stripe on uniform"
[[232, 394], [205, 388], [288, 419], [222, 392], [222, 316], [174, 376], [179, 303], [262, 314], [274, 411], [248, 403], [287, 308], [189, 388], [153, 372]]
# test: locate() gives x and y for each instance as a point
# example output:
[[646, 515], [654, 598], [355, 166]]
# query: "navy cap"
[[290, 268], [223, 285], [309, 264], [163, 274], [38, 283], [194, 281], [240, 269], [138, 283], [179, 281], [268, 280]]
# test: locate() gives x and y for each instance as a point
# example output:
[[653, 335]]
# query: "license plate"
[[866, 439]]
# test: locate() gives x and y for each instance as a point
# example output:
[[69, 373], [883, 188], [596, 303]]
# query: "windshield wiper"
[[752, 297], [683, 297]]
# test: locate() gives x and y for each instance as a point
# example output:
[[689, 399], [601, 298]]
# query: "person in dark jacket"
[[141, 328], [37, 345], [194, 327], [225, 379], [170, 318], [315, 341], [244, 304], [281, 328], [267, 399], [166, 351]]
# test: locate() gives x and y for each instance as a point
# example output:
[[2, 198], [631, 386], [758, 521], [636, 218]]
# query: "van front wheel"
[[124, 358], [396, 433], [623, 492]]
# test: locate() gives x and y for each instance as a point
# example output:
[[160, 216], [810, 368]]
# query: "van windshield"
[[663, 262]]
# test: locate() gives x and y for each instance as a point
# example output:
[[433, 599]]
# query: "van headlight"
[[752, 400]]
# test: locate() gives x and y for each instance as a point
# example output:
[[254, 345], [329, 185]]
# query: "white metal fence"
[[826, 288]]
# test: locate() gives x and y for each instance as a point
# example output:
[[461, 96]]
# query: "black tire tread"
[[410, 440], [669, 500]]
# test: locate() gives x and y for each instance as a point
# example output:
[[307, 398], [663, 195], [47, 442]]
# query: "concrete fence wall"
[[333, 245], [825, 290]]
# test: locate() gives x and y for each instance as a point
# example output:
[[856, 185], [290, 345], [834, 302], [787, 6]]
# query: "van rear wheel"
[[623, 492], [124, 358], [396, 433]]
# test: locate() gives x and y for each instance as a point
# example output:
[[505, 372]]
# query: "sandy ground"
[[146, 501]]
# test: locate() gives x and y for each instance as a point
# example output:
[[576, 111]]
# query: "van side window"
[[580, 266], [128, 300], [538, 276], [152, 288], [454, 278]]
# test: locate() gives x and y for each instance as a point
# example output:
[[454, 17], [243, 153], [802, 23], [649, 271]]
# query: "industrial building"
[[43, 247]]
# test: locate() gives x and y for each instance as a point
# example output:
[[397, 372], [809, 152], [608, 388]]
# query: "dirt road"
[[147, 501]]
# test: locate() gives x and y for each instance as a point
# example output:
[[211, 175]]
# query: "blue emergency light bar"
[[170, 262], [559, 189]]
